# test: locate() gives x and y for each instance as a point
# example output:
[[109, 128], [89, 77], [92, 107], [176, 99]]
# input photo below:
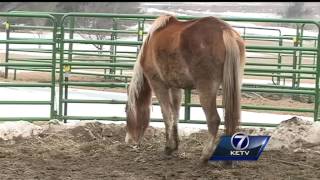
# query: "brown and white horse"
[[201, 54]]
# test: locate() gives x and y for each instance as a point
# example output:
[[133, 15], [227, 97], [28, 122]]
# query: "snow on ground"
[[295, 133], [269, 82], [9, 130], [8, 93], [47, 35]]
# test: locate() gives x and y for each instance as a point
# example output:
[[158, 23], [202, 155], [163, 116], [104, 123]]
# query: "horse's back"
[[185, 52], [202, 47], [164, 61]]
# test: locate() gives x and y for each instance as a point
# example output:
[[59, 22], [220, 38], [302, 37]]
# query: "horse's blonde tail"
[[139, 100], [231, 82]]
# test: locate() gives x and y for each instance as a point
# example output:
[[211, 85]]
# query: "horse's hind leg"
[[164, 95], [208, 96]]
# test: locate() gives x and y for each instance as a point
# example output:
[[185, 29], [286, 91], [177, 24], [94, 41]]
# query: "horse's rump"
[[183, 53]]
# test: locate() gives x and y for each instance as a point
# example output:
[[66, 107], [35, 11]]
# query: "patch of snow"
[[160, 11], [10, 130], [294, 133], [230, 14], [100, 110]]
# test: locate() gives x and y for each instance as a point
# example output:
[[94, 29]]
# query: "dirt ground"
[[98, 151]]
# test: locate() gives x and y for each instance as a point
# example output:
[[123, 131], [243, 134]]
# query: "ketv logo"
[[240, 147]]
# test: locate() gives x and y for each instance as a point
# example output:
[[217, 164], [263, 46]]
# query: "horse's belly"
[[178, 78]]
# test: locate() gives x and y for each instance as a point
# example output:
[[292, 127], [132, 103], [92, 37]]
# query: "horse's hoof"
[[165, 156], [203, 161], [128, 139], [168, 151]]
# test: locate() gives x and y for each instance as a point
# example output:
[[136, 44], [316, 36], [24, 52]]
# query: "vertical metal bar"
[[300, 42], [110, 53], [138, 38], [140, 29], [316, 101], [140, 33], [53, 113], [279, 60], [314, 58], [61, 73], [6, 69], [15, 74], [114, 58], [66, 78], [294, 64], [113, 47], [187, 101], [71, 33]]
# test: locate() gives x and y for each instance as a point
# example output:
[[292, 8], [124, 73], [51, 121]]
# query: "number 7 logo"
[[240, 141]]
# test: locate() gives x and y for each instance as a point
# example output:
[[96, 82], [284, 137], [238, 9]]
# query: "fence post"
[[67, 69], [316, 101], [294, 65], [113, 48], [295, 44], [300, 42], [55, 39], [279, 60], [61, 72], [187, 101], [6, 69]]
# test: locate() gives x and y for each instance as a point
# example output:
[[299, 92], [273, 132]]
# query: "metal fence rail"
[[292, 58]]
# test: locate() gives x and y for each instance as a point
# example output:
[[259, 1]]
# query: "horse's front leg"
[[175, 96], [163, 95]]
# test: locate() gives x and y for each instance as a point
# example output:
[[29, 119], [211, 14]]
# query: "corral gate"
[[120, 62], [49, 64]]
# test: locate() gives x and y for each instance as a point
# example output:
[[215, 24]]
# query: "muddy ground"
[[98, 151]]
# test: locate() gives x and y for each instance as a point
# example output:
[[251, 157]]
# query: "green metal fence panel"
[[117, 63], [50, 65], [277, 72]]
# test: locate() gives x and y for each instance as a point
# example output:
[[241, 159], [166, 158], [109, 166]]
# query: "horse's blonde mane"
[[139, 93], [137, 78], [160, 22]]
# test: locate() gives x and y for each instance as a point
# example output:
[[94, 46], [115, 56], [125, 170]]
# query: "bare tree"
[[102, 23], [95, 36]]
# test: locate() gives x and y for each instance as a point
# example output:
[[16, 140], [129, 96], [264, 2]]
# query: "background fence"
[[289, 61]]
